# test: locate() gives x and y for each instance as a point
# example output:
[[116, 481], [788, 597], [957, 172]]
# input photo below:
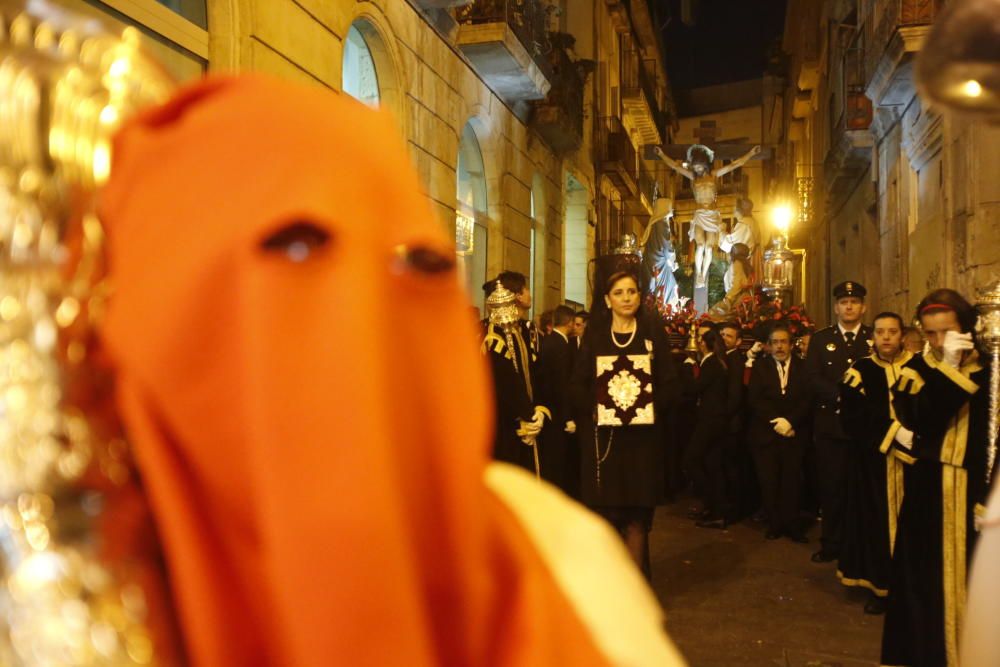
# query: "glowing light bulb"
[[782, 216], [972, 88]]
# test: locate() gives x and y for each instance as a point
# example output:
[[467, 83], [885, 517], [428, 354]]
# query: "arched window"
[[471, 215], [360, 78]]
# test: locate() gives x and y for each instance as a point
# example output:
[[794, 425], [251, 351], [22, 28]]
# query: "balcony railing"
[[528, 20], [611, 224], [881, 19], [559, 117], [641, 96], [617, 155]]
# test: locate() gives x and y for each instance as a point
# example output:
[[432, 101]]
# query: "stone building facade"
[[501, 103], [901, 196]]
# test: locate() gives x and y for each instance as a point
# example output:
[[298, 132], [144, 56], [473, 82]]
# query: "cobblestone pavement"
[[733, 598]]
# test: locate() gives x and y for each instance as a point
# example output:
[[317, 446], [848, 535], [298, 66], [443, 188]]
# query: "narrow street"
[[734, 598]]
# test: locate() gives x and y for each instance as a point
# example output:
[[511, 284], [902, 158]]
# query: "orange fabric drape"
[[312, 434]]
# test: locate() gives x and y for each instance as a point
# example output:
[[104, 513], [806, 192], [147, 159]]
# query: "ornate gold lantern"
[[779, 268]]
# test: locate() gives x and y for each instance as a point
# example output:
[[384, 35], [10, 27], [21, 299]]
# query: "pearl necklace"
[[630, 338]]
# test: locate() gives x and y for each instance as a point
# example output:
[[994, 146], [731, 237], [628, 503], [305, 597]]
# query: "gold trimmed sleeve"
[[852, 378], [956, 376], [910, 381], [890, 435]]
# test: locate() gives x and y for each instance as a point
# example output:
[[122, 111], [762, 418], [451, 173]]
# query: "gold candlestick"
[[988, 333]]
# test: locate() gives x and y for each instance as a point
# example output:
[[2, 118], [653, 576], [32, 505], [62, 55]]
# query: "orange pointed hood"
[[313, 434]]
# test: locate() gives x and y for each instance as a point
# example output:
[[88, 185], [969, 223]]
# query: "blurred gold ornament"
[[959, 64], [66, 84]]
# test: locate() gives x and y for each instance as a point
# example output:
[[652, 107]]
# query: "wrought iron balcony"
[[507, 42], [559, 117], [892, 30], [617, 156], [611, 226], [641, 98]]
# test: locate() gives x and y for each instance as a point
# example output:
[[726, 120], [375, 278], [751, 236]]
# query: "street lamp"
[[781, 215]]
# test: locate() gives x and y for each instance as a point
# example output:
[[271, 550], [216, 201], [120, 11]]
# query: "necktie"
[[849, 335]]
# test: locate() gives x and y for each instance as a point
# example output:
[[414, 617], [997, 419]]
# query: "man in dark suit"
[[744, 498], [555, 365], [579, 327], [779, 401], [831, 352]]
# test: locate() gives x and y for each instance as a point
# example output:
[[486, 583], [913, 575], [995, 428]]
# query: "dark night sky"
[[728, 41]]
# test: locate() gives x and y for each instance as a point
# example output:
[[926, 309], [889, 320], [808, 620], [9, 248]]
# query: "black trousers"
[[779, 470], [705, 460], [831, 460]]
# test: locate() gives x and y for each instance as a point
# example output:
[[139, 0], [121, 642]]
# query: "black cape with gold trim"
[[947, 409], [874, 473], [513, 391]]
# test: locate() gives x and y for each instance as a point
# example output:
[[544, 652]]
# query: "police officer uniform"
[[831, 352]]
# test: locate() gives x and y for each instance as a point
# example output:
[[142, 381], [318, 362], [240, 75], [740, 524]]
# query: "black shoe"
[[718, 524], [772, 535], [824, 556], [797, 537], [875, 606], [699, 515]]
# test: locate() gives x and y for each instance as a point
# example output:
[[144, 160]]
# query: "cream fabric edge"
[[592, 568]]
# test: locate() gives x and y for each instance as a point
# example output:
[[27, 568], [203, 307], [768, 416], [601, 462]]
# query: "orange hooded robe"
[[310, 412]]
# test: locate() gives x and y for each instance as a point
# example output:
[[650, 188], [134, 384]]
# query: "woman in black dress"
[[623, 384]]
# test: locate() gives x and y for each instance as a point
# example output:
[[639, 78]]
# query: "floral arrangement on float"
[[679, 320], [754, 312]]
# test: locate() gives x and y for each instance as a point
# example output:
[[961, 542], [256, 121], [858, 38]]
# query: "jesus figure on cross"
[[707, 221]]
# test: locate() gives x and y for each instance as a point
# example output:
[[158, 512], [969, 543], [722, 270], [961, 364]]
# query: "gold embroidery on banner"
[[624, 388], [641, 362], [607, 416], [644, 415], [605, 363]]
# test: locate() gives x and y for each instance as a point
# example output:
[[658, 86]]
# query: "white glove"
[[689, 360], [954, 345], [570, 427], [754, 350], [904, 437], [783, 427]]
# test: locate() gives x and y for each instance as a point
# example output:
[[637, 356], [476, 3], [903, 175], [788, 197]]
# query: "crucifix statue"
[[706, 222]]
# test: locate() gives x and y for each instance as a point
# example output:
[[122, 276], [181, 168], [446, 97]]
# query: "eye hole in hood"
[[423, 259], [297, 240]]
